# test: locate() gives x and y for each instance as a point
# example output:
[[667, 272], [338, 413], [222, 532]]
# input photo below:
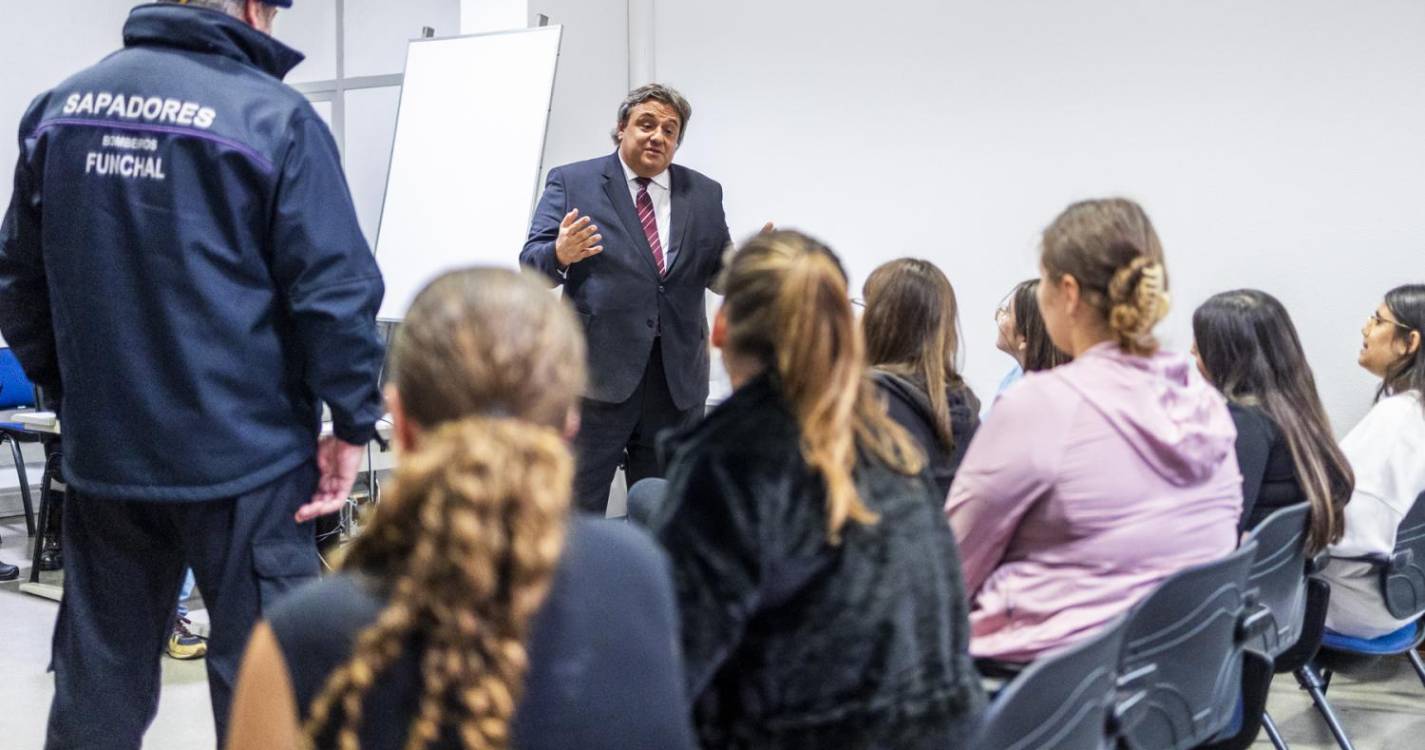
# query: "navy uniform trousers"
[[625, 432], [123, 564]]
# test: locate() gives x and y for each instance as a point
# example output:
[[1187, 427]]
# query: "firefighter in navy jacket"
[[181, 266]]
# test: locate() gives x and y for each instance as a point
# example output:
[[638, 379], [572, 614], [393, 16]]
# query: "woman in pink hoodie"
[[1100, 478]]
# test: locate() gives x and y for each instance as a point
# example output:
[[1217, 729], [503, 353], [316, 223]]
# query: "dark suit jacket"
[[620, 299]]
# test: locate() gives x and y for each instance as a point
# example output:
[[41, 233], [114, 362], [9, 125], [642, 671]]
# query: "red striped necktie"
[[649, 220]]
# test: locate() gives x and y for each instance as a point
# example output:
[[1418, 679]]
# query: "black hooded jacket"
[[909, 405]]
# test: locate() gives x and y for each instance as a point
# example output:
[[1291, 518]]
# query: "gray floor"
[[1384, 712]]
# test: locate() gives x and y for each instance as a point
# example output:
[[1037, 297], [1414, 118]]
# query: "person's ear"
[[402, 431], [719, 329], [1412, 343], [258, 15], [572, 421], [1071, 293]]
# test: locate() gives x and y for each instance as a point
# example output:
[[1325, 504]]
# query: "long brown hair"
[[487, 365], [1252, 354], [1039, 350], [787, 307], [1110, 247], [912, 326]]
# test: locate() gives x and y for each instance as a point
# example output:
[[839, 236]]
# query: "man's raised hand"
[[578, 239]]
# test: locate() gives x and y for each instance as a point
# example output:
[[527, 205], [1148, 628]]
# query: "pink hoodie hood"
[[1176, 422]]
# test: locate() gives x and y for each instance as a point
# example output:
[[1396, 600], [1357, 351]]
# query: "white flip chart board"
[[465, 163]]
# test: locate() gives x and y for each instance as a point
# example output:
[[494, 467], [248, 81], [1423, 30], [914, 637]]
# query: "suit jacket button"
[[660, 289], [650, 322]]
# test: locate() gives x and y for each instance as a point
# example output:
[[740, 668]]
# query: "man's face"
[[649, 138]]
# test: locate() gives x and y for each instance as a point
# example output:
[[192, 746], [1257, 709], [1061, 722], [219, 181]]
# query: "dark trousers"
[[610, 434], [123, 564]]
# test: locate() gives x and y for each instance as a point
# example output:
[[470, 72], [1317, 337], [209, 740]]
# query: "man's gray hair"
[[655, 92], [231, 7]]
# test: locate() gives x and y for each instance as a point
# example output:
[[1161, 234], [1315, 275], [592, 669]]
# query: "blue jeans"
[[185, 591]]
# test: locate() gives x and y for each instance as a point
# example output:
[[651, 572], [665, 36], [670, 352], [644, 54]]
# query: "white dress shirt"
[[659, 193]]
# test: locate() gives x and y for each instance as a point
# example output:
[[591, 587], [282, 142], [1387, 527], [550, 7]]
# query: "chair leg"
[[1270, 727], [1312, 682], [1418, 663], [46, 491], [24, 486]]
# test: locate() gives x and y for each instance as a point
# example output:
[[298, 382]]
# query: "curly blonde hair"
[[1110, 247], [487, 365]]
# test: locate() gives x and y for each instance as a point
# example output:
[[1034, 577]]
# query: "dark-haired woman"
[[1096, 480], [1246, 345], [1387, 452], [819, 590], [1022, 336], [474, 611], [912, 339]]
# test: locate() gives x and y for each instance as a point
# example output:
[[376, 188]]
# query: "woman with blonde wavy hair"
[[474, 611], [1097, 479], [819, 590]]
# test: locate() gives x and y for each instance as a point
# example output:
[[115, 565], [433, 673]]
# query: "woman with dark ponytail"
[[1097, 479], [819, 590], [1247, 346], [474, 611], [1387, 452]]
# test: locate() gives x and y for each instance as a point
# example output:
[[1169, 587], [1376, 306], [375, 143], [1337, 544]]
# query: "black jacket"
[[908, 404], [181, 262], [789, 641], [620, 299], [1268, 472]]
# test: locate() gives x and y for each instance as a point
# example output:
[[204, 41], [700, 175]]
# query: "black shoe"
[[9, 572], [51, 559], [50, 556]]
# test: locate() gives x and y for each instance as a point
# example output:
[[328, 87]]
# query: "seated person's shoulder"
[[1252, 423], [320, 620], [761, 440], [611, 554], [1038, 395]]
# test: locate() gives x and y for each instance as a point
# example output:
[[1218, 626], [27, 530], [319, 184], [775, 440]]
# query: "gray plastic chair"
[[1063, 700], [1182, 664]]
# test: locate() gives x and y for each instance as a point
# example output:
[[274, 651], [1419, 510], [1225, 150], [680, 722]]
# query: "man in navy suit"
[[635, 240]]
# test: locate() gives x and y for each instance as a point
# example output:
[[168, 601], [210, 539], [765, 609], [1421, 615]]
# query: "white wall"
[[1277, 144], [592, 78], [376, 35], [41, 44]]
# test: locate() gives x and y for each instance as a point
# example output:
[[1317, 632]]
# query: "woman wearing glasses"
[[1022, 335], [1387, 451]]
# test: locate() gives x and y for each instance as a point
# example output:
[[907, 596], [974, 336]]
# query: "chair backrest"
[[1278, 577], [1403, 579], [16, 390], [1062, 700], [1180, 674]]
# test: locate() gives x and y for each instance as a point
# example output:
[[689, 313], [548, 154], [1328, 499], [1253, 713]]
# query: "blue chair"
[[17, 393], [1402, 582]]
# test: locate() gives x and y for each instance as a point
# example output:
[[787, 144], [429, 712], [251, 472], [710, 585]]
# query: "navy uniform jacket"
[[181, 262], [620, 299]]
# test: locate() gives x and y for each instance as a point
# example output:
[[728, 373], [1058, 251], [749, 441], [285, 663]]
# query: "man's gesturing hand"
[[578, 239], [337, 461]]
